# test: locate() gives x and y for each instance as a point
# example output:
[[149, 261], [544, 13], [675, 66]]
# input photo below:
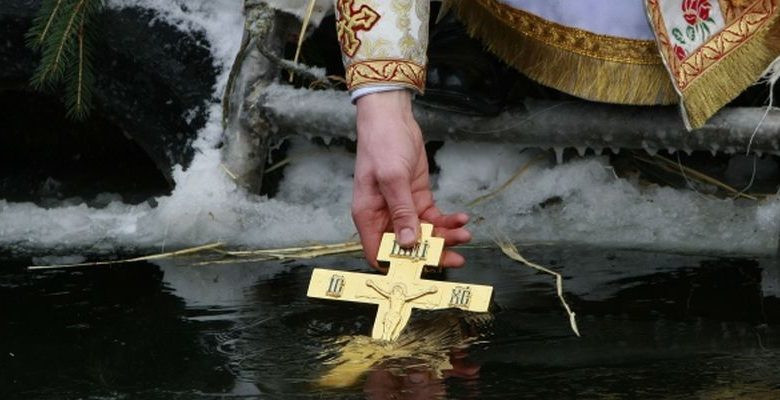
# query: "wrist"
[[386, 102]]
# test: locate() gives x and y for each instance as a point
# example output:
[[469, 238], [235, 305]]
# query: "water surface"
[[655, 326]]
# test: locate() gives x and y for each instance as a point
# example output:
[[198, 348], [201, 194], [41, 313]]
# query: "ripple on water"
[[654, 326]]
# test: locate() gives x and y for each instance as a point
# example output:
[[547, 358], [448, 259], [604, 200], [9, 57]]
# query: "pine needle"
[[510, 251]]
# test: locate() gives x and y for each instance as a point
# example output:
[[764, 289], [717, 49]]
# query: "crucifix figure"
[[396, 308], [402, 289]]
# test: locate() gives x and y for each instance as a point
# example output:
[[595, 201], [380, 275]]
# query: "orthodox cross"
[[351, 21], [402, 289]]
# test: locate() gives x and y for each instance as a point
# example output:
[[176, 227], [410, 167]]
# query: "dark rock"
[[152, 81]]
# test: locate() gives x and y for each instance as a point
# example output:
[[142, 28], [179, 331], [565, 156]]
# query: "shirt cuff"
[[365, 90]]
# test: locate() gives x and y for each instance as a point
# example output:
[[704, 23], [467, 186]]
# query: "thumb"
[[396, 188]]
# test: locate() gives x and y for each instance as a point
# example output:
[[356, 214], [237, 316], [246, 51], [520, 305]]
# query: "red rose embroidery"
[[679, 52], [696, 10]]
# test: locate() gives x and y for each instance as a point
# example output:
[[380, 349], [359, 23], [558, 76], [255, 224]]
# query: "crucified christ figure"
[[397, 297]]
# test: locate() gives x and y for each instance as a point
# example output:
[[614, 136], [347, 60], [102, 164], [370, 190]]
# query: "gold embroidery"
[[401, 72], [375, 48], [422, 9], [578, 41], [719, 46], [587, 65], [406, 43], [350, 21], [731, 60]]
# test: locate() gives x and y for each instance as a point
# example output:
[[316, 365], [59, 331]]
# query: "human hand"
[[392, 189]]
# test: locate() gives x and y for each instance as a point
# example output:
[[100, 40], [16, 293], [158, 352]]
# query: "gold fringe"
[[722, 83], [582, 75]]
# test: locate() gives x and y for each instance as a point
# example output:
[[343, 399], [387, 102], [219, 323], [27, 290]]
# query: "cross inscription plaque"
[[402, 289]]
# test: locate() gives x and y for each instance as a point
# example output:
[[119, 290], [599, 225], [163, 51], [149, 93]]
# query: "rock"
[[152, 80]]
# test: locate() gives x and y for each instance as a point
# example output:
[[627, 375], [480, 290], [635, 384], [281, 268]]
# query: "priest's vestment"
[[699, 54]]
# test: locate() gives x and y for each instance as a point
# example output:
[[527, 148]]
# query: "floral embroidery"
[[696, 14], [695, 10], [680, 52]]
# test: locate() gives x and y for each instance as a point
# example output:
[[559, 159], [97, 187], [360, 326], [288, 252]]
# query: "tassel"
[[582, 74], [740, 69]]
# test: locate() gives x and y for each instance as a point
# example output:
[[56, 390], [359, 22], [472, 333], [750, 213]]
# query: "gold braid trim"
[[730, 61], [383, 72], [588, 65]]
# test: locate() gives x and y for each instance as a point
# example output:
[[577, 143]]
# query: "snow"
[[593, 206], [298, 8], [579, 201]]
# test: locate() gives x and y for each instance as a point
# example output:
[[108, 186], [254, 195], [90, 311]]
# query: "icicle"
[[649, 149], [581, 150], [558, 155], [687, 150], [714, 149], [615, 150], [599, 151]]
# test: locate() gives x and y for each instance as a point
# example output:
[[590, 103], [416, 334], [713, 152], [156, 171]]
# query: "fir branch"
[[65, 39], [80, 81], [61, 32], [53, 14], [43, 22]]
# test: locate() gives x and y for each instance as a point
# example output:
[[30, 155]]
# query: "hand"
[[392, 189]]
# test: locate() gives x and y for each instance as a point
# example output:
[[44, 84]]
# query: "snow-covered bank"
[[593, 206]]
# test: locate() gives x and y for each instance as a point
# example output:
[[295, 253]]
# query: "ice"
[[58, 260], [585, 203], [559, 154]]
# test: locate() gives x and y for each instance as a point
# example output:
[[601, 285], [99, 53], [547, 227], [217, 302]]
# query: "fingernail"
[[407, 236], [416, 378]]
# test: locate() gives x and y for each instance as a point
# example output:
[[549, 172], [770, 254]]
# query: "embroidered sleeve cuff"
[[386, 72]]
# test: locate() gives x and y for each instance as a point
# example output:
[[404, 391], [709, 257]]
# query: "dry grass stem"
[[302, 34], [178, 253], [229, 257], [511, 251], [228, 172], [679, 169], [520, 171]]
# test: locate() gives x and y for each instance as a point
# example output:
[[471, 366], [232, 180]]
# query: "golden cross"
[[401, 289], [351, 21]]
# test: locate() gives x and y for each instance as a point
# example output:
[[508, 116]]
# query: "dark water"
[[655, 326]]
